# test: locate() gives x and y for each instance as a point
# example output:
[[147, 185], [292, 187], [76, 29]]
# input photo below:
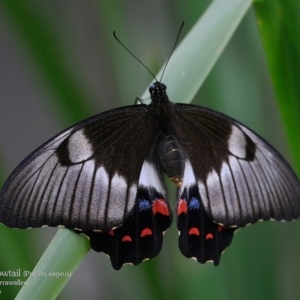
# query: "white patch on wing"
[[110, 200], [131, 198], [215, 194], [237, 142], [189, 176], [149, 177], [203, 193], [230, 193], [242, 187], [97, 208], [53, 191], [69, 186], [82, 194], [117, 198], [79, 147]]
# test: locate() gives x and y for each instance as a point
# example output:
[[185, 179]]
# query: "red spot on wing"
[[209, 236], [160, 206], [111, 232], [126, 238], [220, 228], [194, 231], [146, 231], [182, 207]]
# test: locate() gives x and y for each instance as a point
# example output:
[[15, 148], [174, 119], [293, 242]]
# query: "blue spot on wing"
[[194, 204], [144, 205]]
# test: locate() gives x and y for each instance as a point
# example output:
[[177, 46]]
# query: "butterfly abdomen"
[[172, 158]]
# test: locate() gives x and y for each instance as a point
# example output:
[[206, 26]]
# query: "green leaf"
[[56, 266], [279, 25]]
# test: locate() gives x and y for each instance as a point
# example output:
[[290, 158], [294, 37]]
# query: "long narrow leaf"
[[56, 266], [195, 56], [279, 24]]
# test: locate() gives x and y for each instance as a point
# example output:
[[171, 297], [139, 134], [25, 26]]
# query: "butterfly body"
[[103, 177]]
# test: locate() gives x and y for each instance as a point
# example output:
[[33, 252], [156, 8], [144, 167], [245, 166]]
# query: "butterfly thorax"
[[158, 92]]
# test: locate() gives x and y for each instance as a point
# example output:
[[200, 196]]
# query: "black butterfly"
[[103, 177]]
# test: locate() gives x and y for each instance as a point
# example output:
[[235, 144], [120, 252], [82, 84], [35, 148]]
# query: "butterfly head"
[[158, 92]]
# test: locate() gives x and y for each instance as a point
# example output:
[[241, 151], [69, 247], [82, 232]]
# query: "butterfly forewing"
[[240, 177], [84, 178]]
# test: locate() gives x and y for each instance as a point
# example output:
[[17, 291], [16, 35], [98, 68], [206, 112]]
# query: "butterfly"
[[103, 177]]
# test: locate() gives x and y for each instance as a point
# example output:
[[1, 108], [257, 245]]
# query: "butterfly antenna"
[[134, 55], [172, 51]]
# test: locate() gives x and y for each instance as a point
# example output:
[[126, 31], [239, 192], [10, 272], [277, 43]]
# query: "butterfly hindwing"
[[141, 236], [241, 179], [85, 178], [199, 236]]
